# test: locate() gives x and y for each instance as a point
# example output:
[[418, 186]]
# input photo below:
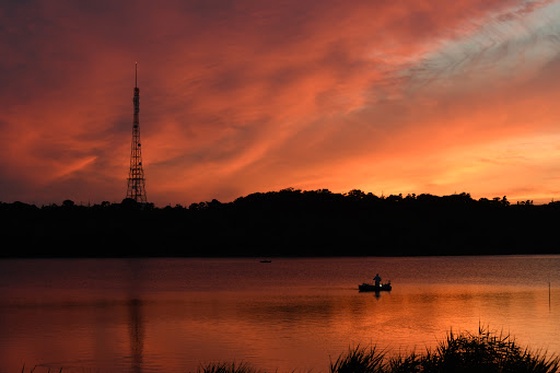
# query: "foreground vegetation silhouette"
[[289, 222], [484, 352]]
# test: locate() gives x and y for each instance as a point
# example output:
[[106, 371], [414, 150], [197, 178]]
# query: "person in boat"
[[377, 280]]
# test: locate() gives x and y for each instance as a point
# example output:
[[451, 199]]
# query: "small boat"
[[368, 287]]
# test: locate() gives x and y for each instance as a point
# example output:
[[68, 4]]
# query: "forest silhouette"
[[285, 223]]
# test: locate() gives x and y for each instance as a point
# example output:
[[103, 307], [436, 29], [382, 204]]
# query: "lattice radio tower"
[[136, 182]]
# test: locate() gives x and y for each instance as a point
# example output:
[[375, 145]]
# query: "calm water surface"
[[291, 315]]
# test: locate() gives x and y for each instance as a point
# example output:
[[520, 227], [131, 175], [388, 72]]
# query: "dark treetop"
[[289, 222]]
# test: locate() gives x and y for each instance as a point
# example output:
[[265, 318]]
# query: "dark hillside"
[[285, 223]]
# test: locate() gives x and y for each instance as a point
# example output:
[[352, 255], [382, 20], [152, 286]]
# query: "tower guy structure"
[[136, 183]]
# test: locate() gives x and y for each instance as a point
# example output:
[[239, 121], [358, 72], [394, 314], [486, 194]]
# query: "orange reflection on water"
[[284, 316]]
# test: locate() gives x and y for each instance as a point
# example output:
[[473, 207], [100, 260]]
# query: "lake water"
[[290, 315]]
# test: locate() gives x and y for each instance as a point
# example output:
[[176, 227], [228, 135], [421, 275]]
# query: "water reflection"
[[136, 334], [293, 315]]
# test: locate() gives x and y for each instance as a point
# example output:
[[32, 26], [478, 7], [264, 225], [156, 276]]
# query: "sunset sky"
[[238, 97]]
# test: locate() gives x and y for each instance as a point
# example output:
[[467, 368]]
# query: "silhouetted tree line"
[[289, 222]]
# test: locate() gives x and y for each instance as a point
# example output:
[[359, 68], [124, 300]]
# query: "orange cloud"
[[389, 97]]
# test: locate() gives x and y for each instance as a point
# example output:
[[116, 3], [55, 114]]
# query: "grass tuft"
[[359, 360], [483, 352], [228, 368]]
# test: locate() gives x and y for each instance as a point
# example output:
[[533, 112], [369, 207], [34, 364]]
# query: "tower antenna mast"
[[136, 189]]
